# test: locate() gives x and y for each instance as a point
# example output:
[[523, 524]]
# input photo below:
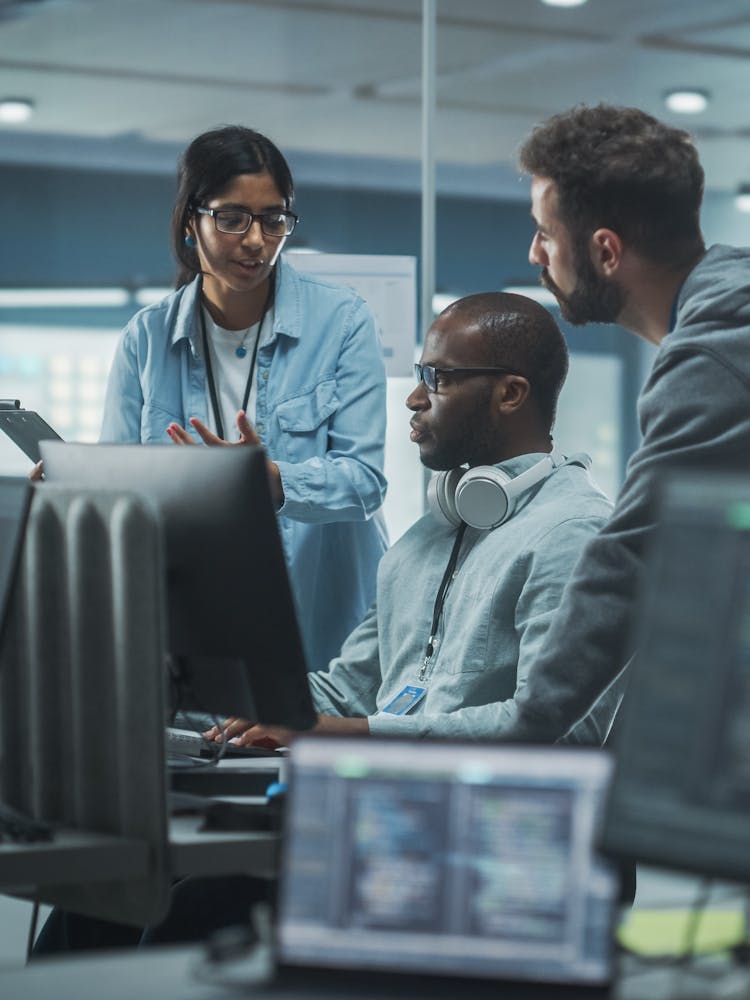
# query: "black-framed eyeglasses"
[[430, 375], [237, 222]]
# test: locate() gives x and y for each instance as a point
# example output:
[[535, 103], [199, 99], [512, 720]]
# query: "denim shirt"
[[320, 415], [502, 599]]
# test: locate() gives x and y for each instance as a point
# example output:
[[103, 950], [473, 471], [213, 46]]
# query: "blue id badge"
[[405, 700]]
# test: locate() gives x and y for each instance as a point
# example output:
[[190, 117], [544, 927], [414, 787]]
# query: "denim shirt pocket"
[[154, 421], [470, 617], [304, 419]]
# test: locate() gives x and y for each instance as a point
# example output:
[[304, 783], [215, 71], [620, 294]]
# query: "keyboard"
[[185, 741]]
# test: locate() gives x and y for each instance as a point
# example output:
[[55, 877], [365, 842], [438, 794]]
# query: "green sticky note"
[[664, 931]]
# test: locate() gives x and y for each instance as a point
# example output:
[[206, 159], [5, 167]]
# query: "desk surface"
[[179, 974], [71, 856], [194, 852], [75, 856]]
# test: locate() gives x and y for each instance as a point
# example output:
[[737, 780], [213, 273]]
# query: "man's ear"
[[511, 393], [606, 252]]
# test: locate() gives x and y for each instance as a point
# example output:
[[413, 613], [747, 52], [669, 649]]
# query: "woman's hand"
[[37, 473], [248, 435]]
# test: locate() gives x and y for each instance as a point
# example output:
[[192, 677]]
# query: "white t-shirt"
[[231, 372]]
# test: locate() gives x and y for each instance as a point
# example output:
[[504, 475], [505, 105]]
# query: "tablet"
[[25, 428]]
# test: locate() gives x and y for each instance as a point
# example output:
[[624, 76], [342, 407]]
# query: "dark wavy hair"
[[206, 167], [522, 335], [621, 169]]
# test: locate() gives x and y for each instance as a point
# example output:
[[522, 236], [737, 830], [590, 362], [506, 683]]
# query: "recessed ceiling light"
[[686, 101], [564, 3], [742, 198], [15, 109]]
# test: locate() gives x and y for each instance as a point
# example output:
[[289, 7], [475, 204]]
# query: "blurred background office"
[[97, 98]]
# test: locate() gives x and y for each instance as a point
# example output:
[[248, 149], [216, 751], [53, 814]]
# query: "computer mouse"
[[276, 789]]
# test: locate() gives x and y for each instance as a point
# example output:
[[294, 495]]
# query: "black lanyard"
[[440, 600], [209, 367]]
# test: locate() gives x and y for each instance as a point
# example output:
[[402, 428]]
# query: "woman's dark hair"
[[206, 167]]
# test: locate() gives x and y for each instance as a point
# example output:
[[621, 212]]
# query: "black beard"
[[470, 437], [593, 300]]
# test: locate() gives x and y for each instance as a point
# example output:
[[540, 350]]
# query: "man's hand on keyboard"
[[244, 734]]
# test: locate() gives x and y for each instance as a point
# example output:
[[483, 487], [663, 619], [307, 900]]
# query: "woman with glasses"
[[248, 351]]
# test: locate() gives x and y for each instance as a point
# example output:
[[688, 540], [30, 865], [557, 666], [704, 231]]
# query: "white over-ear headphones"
[[485, 496]]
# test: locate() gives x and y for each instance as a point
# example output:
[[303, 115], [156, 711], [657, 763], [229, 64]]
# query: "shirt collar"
[[287, 309], [287, 318], [673, 311], [515, 466], [187, 322]]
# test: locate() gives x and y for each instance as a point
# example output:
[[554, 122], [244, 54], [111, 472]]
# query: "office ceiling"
[[125, 83]]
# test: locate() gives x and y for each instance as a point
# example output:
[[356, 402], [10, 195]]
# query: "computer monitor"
[[680, 797], [15, 499], [233, 637], [452, 859]]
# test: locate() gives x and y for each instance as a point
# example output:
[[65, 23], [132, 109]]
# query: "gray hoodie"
[[694, 411]]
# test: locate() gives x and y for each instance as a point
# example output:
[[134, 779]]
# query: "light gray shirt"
[[504, 594]]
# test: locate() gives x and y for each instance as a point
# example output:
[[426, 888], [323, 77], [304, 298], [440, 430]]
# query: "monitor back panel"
[[232, 622]]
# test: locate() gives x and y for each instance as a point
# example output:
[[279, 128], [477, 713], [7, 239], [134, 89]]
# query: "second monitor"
[[233, 637], [681, 790]]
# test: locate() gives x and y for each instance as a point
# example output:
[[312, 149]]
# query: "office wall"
[[84, 227], [67, 227], [87, 228], [80, 227]]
